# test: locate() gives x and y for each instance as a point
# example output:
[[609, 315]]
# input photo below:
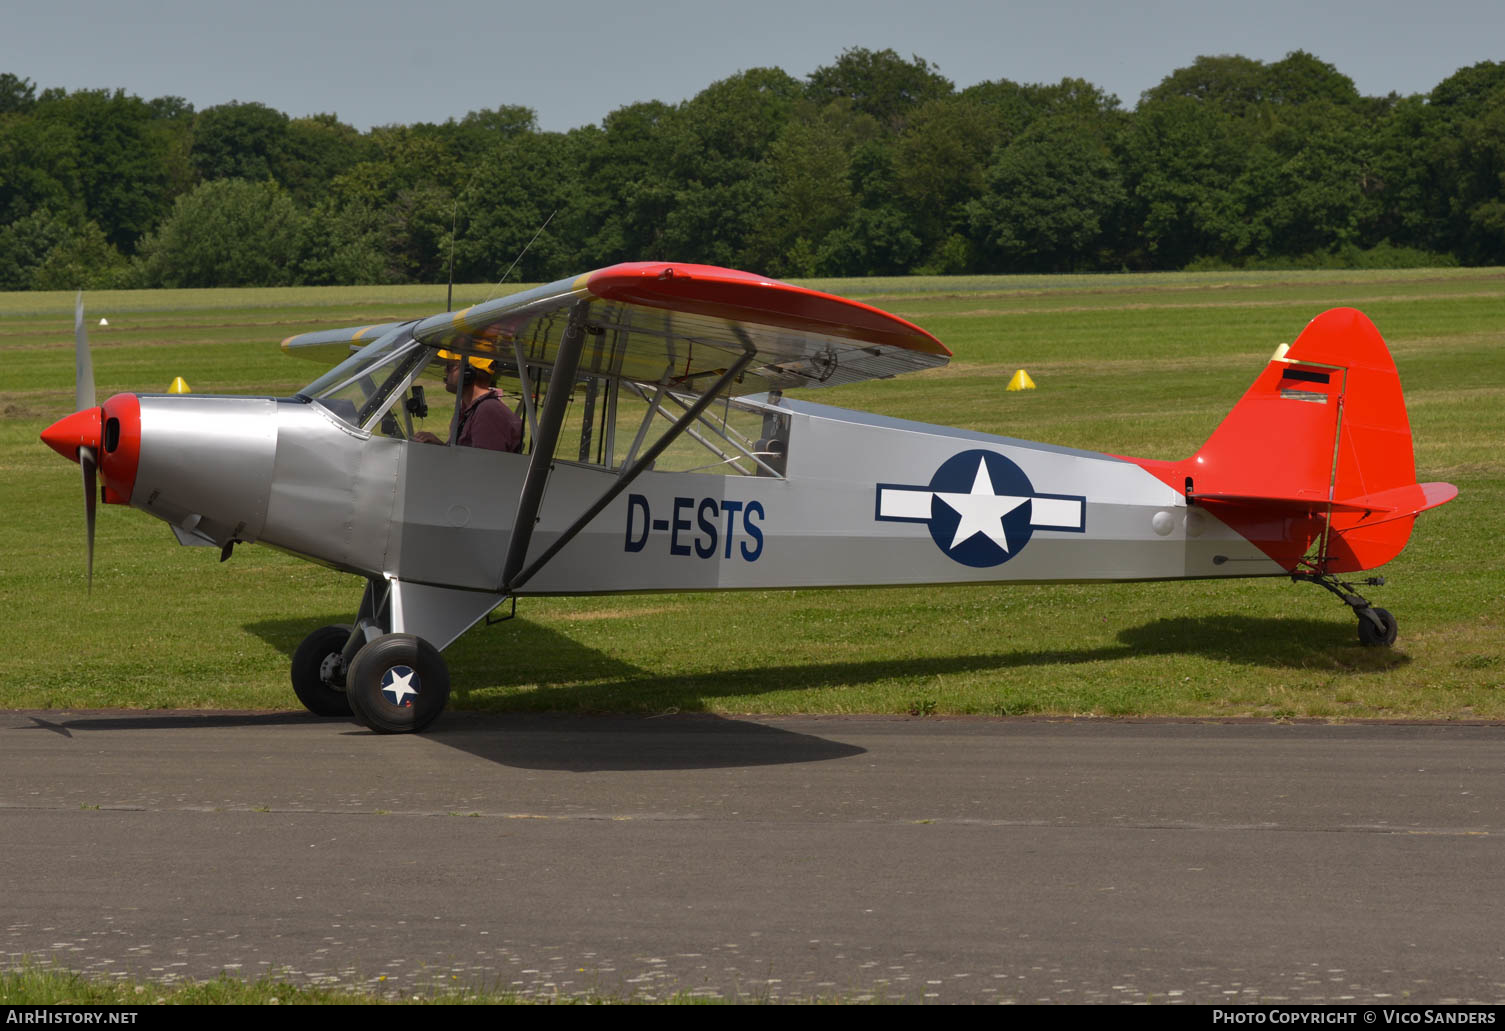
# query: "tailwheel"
[[1376, 626], [397, 684], [1376, 631], [319, 671]]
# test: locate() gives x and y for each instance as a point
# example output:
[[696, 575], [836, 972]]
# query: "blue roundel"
[[400, 685], [980, 510]]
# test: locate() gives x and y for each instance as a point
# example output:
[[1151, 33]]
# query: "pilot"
[[486, 420]]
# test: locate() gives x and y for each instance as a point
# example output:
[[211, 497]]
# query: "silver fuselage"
[[860, 504]]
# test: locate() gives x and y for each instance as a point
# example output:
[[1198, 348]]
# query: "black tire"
[[319, 673], [1372, 637], [398, 684]]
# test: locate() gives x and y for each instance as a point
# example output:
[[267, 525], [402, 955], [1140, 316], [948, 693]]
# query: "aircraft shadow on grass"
[[529, 655]]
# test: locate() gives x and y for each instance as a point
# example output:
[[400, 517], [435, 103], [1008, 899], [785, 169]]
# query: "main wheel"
[[397, 684], [319, 671], [1371, 636]]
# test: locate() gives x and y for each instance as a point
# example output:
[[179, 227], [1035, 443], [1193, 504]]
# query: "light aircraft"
[[663, 455]]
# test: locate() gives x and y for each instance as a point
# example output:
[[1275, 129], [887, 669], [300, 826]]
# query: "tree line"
[[871, 165]]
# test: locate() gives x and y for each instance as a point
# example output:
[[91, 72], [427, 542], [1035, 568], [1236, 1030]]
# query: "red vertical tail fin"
[[1317, 452]]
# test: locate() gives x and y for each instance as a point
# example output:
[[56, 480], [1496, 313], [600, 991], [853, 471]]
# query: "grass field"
[[1142, 365]]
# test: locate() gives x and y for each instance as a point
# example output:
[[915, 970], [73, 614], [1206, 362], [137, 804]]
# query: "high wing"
[[674, 324]]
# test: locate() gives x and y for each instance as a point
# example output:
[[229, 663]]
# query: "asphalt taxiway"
[[763, 858]]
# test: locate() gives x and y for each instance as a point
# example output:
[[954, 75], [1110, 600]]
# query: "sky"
[[380, 62]]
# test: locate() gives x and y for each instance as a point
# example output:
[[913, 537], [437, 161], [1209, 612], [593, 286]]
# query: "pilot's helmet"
[[486, 365]]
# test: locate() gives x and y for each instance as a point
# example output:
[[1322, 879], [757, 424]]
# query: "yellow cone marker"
[[180, 386], [1021, 381]]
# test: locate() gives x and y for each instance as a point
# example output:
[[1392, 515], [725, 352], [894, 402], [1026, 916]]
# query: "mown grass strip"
[[33, 985]]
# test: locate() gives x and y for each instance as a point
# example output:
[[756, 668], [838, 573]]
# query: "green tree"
[[39, 171], [26, 242], [513, 193], [1404, 181], [343, 246], [727, 129], [879, 83], [481, 131], [1230, 83], [1479, 206], [1241, 160], [1181, 159], [1467, 162], [1468, 91], [1300, 191], [718, 171], [624, 193], [173, 120], [17, 95], [1050, 197], [1300, 78], [877, 238], [317, 150], [810, 187], [240, 141], [939, 165], [82, 260], [112, 152], [226, 232]]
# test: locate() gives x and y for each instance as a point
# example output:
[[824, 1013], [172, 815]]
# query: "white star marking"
[[981, 511], [401, 686]]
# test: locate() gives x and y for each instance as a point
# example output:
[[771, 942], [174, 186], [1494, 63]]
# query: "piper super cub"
[[684, 467]]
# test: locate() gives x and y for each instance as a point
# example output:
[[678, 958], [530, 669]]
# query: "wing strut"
[[527, 385], [546, 439], [511, 583]]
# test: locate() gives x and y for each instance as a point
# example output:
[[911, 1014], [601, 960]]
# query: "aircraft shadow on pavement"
[[532, 654], [65, 724], [602, 744]]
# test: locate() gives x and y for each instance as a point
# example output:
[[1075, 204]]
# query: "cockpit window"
[[364, 389], [622, 420]]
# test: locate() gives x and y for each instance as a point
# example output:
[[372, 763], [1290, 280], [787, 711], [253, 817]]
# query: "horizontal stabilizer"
[[1401, 501], [1290, 503], [1395, 503]]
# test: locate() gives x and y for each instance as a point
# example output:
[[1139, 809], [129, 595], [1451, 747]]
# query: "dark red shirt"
[[490, 423]]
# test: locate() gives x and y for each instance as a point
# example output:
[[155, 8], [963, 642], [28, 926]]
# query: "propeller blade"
[[83, 366], [86, 462]]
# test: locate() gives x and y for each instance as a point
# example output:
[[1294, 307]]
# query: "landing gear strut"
[[391, 683], [1376, 626]]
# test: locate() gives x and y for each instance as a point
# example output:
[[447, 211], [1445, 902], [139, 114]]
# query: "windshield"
[[358, 364], [363, 388]]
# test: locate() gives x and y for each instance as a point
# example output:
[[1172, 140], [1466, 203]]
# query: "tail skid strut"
[[1376, 626]]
